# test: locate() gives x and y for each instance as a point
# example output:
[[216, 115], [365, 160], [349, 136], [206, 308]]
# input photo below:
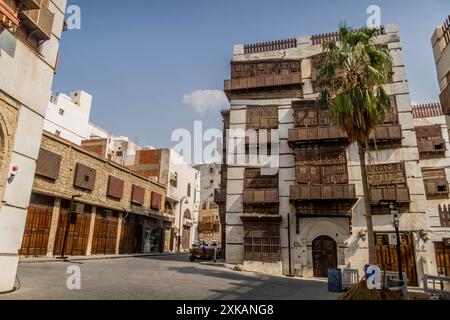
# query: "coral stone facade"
[[315, 198]]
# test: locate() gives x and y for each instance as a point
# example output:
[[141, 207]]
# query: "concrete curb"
[[91, 258]]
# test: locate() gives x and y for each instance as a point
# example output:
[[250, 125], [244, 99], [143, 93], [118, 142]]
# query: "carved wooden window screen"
[[386, 175], [319, 164], [430, 140], [262, 242], [262, 117], [311, 114], [264, 68], [436, 185], [255, 180]]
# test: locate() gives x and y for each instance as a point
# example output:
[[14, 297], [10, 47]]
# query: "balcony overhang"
[[399, 195], [311, 134], [8, 19], [262, 82], [308, 193], [260, 196], [261, 218]]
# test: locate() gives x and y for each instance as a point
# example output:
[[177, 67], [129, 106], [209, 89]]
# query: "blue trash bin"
[[335, 280]]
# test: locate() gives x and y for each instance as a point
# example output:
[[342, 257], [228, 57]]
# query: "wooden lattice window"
[[255, 180], [320, 164], [444, 216], [262, 117], [430, 142], [436, 185], [262, 242], [310, 114], [386, 175]]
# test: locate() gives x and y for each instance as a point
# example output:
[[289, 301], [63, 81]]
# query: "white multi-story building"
[[29, 43], [68, 116]]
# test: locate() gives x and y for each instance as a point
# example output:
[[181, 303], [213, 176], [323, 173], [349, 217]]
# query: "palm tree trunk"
[[368, 209]]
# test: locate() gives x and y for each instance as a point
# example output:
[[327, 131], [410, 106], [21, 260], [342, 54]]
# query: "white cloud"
[[206, 100]]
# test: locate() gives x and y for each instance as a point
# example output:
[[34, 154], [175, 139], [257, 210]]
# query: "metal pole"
[[397, 233], [180, 225], [63, 249], [289, 243]]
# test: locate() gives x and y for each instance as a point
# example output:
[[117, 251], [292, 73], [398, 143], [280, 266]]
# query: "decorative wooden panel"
[[436, 185], [324, 208], [430, 142], [260, 196], [442, 252], [262, 209], [137, 195], [48, 164], [387, 194], [84, 177], [115, 187], [308, 113], [250, 69], [262, 242], [387, 258], [321, 164], [156, 201], [381, 175], [387, 133], [322, 192], [262, 117], [444, 215], [254, 180]]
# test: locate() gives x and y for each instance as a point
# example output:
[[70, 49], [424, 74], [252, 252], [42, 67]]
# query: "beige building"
[[209, 227], [441, 49], [309, 215], [29, 43], [116, 211]]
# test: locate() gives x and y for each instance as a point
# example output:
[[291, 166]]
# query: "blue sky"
[[139, 58]]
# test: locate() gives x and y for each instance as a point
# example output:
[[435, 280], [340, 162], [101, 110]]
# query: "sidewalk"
[[24, 260]]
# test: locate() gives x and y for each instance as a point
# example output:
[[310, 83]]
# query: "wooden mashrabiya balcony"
[[260, 196], [322, 192], [332, 133], [39, 21]]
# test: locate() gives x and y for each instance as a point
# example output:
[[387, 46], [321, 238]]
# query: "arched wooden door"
[[324, 250]]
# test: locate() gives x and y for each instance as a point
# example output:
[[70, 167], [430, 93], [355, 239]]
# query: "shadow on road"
[[259, 286]]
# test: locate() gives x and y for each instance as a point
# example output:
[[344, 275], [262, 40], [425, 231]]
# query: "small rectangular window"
[[58, 133], [61, 112]]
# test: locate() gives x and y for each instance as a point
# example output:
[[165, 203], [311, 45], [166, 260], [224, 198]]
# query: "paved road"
[[149, 278]]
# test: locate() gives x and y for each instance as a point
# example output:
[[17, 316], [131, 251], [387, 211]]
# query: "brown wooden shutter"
[[84, 177], [137, 195], [156, 201], [115, 187], [48, 164]]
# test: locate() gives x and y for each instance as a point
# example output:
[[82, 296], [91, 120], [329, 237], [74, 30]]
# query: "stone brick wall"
[[9, 114], [63, 186]]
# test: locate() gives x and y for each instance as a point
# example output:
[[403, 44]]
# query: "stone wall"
[[63, 186], [9, 115]]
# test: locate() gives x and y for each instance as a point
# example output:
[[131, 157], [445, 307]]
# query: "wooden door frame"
[[335, 254]]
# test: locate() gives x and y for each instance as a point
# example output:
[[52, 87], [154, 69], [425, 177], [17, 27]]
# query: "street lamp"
[[180, 224], [63, 249], [395, 213]]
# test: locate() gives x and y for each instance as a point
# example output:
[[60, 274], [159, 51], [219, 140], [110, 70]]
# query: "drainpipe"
[[289, 244]]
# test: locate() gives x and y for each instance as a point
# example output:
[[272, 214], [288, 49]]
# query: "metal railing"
[[436, 285], [350, 278]]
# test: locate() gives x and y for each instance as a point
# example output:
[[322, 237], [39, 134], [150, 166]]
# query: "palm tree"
[[352, 83]]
